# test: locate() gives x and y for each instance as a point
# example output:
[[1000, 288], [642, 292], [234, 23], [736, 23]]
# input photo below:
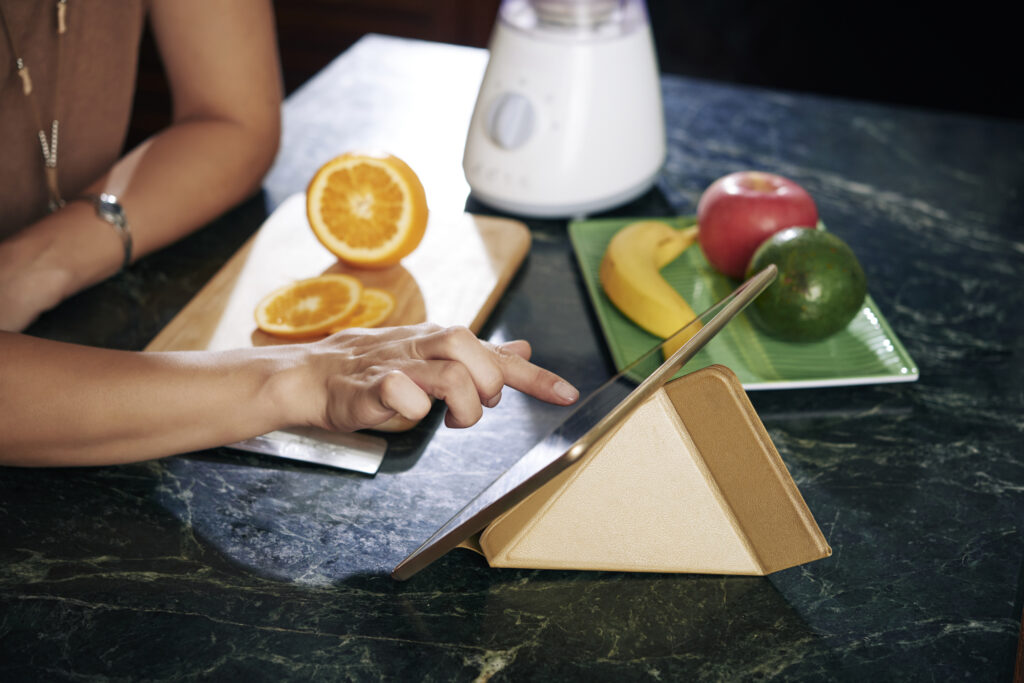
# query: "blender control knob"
[[510, 120]]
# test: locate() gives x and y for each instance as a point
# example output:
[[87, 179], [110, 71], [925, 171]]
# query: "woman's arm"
[[222, 65], [65, 405]]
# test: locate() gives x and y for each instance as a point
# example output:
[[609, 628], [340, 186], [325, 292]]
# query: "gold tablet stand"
[[689, 482]]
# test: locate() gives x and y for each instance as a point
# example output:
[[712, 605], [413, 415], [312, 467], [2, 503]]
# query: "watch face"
[[109, 208]]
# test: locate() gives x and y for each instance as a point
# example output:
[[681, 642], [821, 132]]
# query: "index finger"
[[534, 380]]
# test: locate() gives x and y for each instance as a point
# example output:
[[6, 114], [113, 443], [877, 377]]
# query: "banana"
[[630, 275]]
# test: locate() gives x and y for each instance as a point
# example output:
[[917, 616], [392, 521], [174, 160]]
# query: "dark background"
[[950, 57]]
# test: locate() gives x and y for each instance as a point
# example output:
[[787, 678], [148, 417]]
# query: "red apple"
[[741, 210]]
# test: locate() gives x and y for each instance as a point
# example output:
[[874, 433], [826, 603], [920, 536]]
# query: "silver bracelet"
[[108, 208]]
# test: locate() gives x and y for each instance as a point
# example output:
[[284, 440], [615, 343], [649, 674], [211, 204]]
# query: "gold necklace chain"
[[47, 146]]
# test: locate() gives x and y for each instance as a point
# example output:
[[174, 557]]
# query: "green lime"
[[819, 289]]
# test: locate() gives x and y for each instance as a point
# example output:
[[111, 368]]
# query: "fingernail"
[[493, 400], [566, 391]]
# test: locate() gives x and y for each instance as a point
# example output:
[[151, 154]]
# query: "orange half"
[[309, 308], [369, 210]]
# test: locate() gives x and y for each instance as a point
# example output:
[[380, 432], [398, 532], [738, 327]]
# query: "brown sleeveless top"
[[98, 61]]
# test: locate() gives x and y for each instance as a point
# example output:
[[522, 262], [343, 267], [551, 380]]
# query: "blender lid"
[[574, 18]]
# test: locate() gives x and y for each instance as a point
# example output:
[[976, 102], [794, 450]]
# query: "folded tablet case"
[[689, 482]]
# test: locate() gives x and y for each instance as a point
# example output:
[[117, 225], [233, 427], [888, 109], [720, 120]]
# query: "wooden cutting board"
[[456, 276]]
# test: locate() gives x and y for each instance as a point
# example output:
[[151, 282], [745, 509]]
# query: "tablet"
[[593, 419]]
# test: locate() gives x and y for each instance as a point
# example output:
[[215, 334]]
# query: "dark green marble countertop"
[[222, 565]]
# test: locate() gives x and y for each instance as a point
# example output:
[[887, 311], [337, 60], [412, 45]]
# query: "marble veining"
[[223, 565]]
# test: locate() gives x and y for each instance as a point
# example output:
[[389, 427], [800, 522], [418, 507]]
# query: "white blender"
[[569, 117]]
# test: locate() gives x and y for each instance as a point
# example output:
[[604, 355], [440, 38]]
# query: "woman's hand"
[[25, 293], [123, 406], [51, 259], [367, 377]]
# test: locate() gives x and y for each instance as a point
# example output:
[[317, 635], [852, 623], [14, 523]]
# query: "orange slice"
[[308, 308], [375, 305], [369, 210]]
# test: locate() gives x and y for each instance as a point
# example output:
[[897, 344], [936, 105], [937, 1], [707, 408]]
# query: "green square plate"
[[866, 352]]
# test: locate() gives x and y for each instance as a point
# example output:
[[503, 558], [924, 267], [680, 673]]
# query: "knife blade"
[[348, 451]]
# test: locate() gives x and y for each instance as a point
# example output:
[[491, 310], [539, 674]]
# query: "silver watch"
[[109, 209]]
